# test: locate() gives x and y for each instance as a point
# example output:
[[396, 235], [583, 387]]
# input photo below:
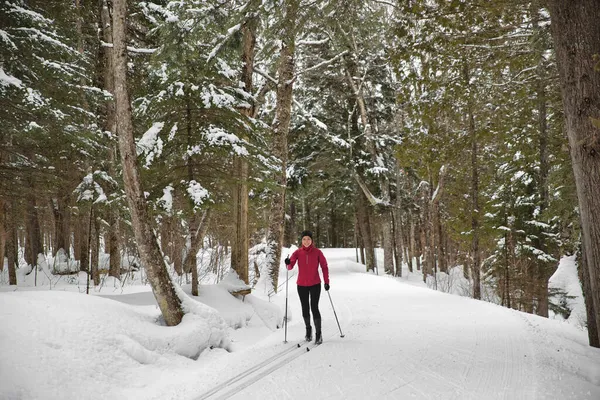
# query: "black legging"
[[314, 292]]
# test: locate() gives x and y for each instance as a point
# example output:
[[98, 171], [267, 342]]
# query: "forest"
[[447, 133]]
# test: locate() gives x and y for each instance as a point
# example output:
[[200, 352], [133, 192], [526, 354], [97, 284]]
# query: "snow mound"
[[55, 334], [565, 281]]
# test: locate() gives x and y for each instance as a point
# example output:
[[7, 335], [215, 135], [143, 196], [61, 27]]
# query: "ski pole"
[[286, 302], [334, 313]]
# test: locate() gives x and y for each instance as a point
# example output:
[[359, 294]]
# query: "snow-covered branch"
[[230, 32], [313, 42], [265, 75], [130, 49], [321, 64], [435, 198]]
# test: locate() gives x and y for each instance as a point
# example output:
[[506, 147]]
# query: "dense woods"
[[432, 130]]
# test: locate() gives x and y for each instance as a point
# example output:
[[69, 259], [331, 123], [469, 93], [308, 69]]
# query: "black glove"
[[327, 286], [287, 261]]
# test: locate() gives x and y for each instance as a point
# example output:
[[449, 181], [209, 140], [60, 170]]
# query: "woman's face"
[[306, 241]]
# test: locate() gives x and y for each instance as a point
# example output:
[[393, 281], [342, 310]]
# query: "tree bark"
[[437, 243], [366, 232], [62, 229], [11, 243], [114, 249], [95, 248], [576, 33], [84, 242], [239, 244], [150, 254], [281, 126], [584, 278], [397, 216], [197, 231], [411, 241], [3, 233], [476, 263], [34, 235]]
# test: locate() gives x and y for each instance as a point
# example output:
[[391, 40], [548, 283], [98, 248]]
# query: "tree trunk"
[[397, 223], [476, 263], [34, 235], [411, 241], [84, 242], [365, 231], [291, 230], [61, 225], [95, 248], [11, 243], [239, 244], [426, 239], [576, 32], [436, 226], [584, 278], [3, 233], [150, 254], [398, 245], [114, 249], [197, 231], [281, 126]]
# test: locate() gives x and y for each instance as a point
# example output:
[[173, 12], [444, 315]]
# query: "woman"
[[309, 282]]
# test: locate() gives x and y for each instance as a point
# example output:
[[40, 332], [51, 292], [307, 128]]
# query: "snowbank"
[[565, 281]]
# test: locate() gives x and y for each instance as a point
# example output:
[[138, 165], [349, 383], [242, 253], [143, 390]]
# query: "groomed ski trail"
[[470, 350], [405, 341]]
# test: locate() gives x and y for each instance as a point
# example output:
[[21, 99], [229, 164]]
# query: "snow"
[[401, 340], [150, 144], [197, 193], [166, 201], [6, 80], [565, 277]]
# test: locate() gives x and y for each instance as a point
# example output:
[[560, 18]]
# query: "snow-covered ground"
[[401, 340]]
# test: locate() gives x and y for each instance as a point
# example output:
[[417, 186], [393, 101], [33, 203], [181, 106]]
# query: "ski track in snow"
[[457, 356]]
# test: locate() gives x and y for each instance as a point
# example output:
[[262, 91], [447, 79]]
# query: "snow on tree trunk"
[[281, 126], [150, 254], [575, 30]]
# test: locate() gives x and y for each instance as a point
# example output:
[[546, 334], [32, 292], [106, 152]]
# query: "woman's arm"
[[324, 267]]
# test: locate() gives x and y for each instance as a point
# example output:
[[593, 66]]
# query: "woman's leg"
[[304, 292], [315, 294]]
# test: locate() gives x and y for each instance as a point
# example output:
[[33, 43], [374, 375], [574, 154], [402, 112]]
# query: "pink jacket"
[[309, 259]]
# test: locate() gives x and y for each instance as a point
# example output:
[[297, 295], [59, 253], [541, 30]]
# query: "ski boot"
[[318, 336], [308, 336]]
